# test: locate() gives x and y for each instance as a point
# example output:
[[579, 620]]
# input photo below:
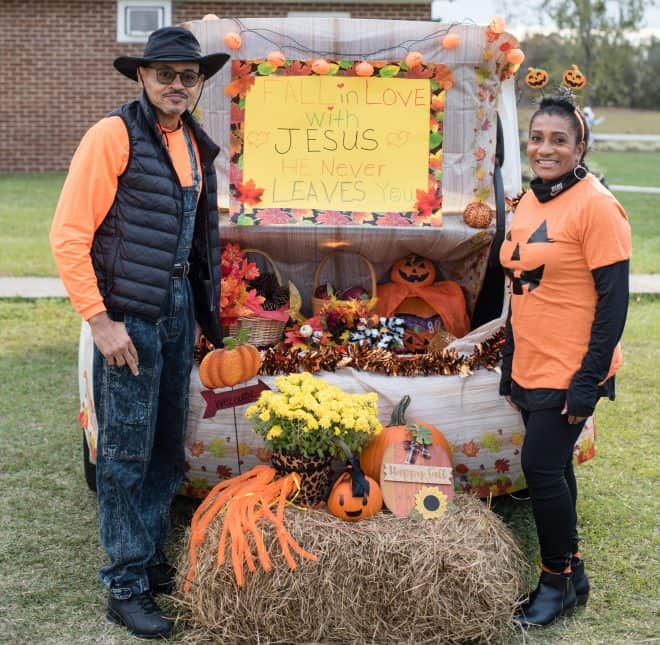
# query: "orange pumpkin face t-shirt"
[[549, 253]]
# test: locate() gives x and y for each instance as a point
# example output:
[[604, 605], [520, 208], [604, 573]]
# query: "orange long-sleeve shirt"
[[87, 195]]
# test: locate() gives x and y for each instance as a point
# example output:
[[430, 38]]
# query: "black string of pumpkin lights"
[[295, 45]]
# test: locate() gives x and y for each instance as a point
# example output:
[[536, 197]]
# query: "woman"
[[566, 254]]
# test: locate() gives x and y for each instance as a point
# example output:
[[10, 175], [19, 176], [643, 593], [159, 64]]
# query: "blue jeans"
[[142, 422]]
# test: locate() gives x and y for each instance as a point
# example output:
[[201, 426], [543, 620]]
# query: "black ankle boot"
[[553, 597], [140, 615], [580, 581]]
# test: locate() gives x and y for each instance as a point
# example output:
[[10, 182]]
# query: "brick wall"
[[56, 67]]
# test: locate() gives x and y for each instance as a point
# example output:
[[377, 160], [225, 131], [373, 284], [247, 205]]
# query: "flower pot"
[[315, 474]]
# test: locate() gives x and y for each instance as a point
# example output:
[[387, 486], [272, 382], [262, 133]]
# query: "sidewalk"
[[52, 287]]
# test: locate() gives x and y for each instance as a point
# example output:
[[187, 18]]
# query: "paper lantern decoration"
[[233, 40], [414, 59], [515, 56], [320, 66], [497, 24], [478, 215], [364, 69], [451, 41], [276, 59], [536, 78], [574, 78]]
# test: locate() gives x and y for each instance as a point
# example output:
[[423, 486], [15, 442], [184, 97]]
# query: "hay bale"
[[450, 580]]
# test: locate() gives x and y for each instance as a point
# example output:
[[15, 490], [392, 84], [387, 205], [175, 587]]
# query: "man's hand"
[[113, 342]]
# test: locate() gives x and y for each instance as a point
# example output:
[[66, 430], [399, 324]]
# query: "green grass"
[[628, 168], [49, 551], [27, 204]]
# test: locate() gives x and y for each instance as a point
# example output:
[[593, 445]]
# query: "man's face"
[[171, 87]]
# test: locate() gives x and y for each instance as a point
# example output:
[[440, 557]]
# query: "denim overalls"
[[142, 422]]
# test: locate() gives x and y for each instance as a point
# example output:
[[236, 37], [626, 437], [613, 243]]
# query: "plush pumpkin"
[[371, 457], [574, 78], [536, 78], [478, 215], [413, 269], [354, 496], [234, 363]]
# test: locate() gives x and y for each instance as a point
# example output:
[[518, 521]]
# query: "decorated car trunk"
[[367, 186]]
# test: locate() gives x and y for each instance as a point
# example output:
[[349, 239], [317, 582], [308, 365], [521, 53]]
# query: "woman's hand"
[[571, 419], [511, 403]]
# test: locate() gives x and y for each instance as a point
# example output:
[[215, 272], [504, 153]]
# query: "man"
[[135, 239]]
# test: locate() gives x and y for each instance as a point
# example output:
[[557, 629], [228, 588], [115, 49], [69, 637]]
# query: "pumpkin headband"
[[572, 78]]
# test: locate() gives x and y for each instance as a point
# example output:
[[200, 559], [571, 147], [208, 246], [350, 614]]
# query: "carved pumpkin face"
[[574, 78], [343, 505], [536, 78], [413, 269], [417, 342]]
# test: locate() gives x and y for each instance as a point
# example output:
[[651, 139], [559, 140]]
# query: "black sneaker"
[[140, 615], [161, 578]]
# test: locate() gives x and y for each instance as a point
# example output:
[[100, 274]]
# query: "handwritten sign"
[[337, 143], [338, 149], [417, 474]]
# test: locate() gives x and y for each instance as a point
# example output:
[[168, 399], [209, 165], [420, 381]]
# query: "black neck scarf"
[[545, 191]]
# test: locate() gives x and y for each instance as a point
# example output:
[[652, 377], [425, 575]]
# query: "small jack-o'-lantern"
[[417, 342], [574, 78], [536, 78], [413, 269], [354, 496], [344, 505]]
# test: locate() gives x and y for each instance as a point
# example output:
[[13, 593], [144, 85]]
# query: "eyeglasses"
[[166, 76]]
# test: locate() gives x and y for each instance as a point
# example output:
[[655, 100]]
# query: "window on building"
[[136, 19]]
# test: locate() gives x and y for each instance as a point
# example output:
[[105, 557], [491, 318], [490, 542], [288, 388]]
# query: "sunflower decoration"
[[430, 503]]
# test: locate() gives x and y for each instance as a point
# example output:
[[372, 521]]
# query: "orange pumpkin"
[[478, 215], [342, 502], [371, 457], [232, 364], [574, 78], [536, 78], [413, 269]]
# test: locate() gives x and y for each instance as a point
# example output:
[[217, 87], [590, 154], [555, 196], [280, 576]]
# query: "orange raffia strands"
[[244, 501]]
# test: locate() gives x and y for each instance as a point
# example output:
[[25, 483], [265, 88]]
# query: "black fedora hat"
[[174, 45]]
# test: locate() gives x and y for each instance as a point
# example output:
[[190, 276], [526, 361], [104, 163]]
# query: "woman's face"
[[551, 148]]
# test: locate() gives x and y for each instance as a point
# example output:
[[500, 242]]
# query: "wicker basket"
[[318, 303], [264, 332]]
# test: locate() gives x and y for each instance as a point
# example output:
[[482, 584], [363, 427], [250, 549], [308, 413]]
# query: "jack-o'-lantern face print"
[[552, 149], [413, 269], [526, 280]]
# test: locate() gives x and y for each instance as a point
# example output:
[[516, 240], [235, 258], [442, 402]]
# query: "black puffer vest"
[[133, 249]]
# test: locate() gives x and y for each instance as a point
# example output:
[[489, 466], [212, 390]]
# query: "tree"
[[597, 27]]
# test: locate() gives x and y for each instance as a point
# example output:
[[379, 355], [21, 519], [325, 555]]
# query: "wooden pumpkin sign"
[[416, 476], [371, 457], [236, 362]]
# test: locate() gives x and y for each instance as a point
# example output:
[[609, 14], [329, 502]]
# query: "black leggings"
[[547, 462]]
